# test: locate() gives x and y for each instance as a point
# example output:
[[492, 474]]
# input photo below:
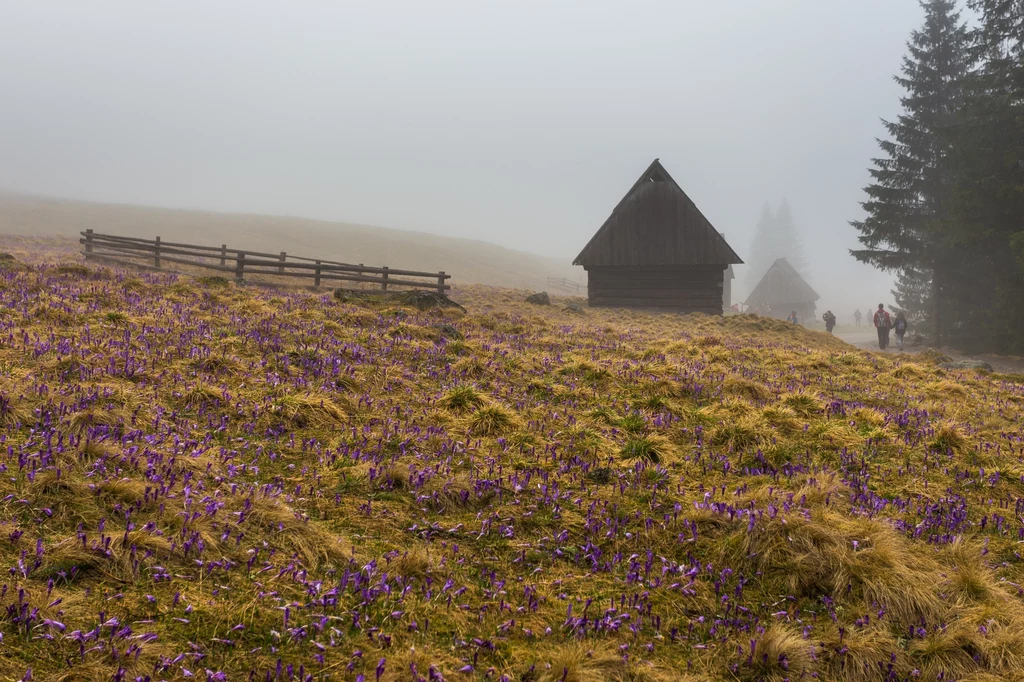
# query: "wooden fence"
[[567, 284], [153, 254]]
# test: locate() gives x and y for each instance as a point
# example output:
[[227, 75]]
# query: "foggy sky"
[[521, 123]]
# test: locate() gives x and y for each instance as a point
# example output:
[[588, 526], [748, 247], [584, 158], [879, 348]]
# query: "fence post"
[[384, 279], [284, 256], [440, 282], [88, 241], [223, 255], [361, 285], [156, 253], [239, 266], [316, 275]]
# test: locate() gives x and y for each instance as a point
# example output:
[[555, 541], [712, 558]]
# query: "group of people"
[[884, 323], [857, 316], [828, 317], [830, 320]]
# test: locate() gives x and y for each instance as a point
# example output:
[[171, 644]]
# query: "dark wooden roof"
[[656, 224], [782, 284]]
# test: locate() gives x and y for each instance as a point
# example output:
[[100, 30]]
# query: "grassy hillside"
[[201, 481], [467, 260]]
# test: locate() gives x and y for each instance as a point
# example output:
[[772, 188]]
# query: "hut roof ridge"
[[661, 220]]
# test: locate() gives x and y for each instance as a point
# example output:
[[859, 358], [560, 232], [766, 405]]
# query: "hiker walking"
[[900, 327], [857, 316], [882, 323], [830, 321], [792, 318]]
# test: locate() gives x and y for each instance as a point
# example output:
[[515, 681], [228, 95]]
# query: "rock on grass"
[[421, 300], [967, 364]]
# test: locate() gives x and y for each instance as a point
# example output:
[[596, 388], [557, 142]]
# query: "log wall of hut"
[[670, 288]]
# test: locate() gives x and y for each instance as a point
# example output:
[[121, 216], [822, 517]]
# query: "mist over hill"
[[468, 261]]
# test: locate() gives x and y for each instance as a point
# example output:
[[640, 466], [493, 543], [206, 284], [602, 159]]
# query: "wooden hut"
[[657, 251], [781, 291]]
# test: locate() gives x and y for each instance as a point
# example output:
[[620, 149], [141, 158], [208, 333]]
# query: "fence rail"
[[564, 283], [154, 253]]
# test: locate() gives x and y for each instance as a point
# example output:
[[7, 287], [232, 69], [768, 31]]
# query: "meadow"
[[200, 480]]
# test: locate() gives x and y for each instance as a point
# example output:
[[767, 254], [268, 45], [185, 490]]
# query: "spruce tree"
[[908, 210], [988, 160]]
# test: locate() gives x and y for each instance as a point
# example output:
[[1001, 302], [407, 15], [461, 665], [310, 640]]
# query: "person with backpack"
[[857, 316], [900, 327], [792, 318], [882, 323], [830, 321]]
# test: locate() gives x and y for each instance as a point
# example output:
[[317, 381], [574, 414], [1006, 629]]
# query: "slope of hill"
[[205, 481], [469, 261]]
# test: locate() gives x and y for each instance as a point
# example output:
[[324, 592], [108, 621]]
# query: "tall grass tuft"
[[461, 399]]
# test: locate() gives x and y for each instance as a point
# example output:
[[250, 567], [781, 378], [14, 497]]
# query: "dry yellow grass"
[[251, 475]]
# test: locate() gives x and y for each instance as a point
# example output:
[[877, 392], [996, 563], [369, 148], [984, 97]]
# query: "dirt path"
[[868, 340]]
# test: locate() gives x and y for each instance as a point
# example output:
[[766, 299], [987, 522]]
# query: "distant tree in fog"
[[756, 265], [791, 246], [776, 237]]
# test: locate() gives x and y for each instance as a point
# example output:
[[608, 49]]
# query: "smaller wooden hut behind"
[[781, 291]]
